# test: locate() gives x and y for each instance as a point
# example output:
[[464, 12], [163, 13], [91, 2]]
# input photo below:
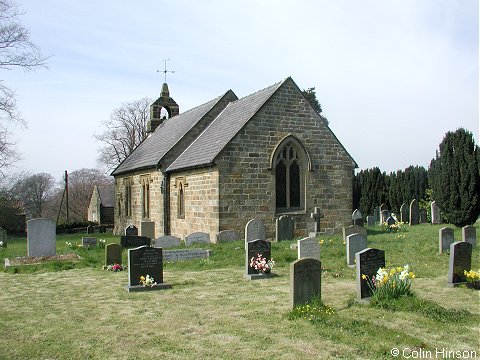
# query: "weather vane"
[[165, 71]]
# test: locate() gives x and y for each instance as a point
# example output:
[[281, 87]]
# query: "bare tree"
[[16, 51], [33, 191], [126, 128]]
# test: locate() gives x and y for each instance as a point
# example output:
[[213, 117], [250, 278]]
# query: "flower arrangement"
[[261, 264], [1, 243], [147, 281], [390, 284], [396, 227], [473, 278], [101, 243], [115, 267], [73, 246]]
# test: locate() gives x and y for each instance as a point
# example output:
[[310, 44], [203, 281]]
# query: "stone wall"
[[201, 203], [93, 212], [156, 201], [247, 182]]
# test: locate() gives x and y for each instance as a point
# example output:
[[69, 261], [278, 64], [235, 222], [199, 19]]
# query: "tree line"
[[452, 180]]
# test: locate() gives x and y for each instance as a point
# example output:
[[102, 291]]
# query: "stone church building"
[[227, 161]]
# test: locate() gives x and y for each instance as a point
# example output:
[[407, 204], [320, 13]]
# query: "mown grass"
[[212, 312]]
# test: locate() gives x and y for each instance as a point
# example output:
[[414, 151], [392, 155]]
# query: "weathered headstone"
[[285, 228], [89, 242], [228, 236], [469, 234], [113, 254], [384, 215], [436, 218], [90, 229], [305, 281], [357, 218], [147, 229], [316, 216], [41, 237], [353, 230], [445, 239], [383, 207], [166, 241], [131, 230], [414, 213], [255, 247], [404, 213], [370, 220], [143, 261], [185, 254], [422, 213], [390, 221], [3, 238], [376, 215], [368, 262], [308, 248], [460, 260], [129, 241], [354, 244], [255, 230], [197, 237]]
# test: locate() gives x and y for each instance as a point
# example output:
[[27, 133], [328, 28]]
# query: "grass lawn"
[[76, 310]]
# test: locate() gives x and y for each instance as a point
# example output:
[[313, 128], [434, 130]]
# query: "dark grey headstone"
[[445, 239], [90, 229], [143, 261], [256, 247], [255, 230], [469, 234], [422, 213], [370, 220], [404, 213], [113, 254], [368, 262], [460, 260], [436, 218], [147, 229], [383, 207], [357, 218], [228, 236], [41, 237], [3, 238], [197, 238], [89, 242], [354, 244], [414, 213], [285, 228], [305, 280], [134, 241], [131, 230], [166, 241], [376, 215], [384, 215]]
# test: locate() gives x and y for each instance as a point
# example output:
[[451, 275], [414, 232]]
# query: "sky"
[[392, 76]]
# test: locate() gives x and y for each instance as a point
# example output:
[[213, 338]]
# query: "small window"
[[180, 184], [145, 181], [128, 197]]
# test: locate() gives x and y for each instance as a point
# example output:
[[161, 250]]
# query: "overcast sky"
[[392, 76]]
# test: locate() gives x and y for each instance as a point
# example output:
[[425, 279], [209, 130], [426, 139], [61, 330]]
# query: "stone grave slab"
[[129, 241], [353, 230], [308, 248], [368, 262], [166, 241], [445, 239], [143, 261], [197, 238], [185, 254], [89, 242], [228, 236], [370, 220], [354, 244], [469, 234], [285, 228], [147, 229], [460, 260], [305, 281], [41, 237]]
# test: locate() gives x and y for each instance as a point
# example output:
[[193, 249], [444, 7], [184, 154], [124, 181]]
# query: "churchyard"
[[74, 309]]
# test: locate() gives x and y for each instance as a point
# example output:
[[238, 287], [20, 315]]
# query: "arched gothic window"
[[290, 162]]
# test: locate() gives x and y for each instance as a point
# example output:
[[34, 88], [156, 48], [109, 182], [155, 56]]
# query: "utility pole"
[[66, 193]]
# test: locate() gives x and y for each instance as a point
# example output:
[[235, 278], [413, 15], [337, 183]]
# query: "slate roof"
[[107, 195], [155, 147], [219, 133]]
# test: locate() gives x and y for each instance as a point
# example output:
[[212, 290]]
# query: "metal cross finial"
[[165, 71]]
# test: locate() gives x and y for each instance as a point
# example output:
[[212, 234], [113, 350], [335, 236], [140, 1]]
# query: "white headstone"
[[469, 234], [254, 230], [308, 248], [41, 237]]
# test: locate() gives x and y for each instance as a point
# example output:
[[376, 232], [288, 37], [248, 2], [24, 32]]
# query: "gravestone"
[[90, 229], [390, 221], [129, 241], [422, 213], [147, 229], [308, 248], [316, 216], [131, 230], [404, 213], [166, 241], [376, 215], [460, 260], [383, 207], [445, 239], [354, 244], [228, 236], [3, 238], [285, 228], [197, 237], [113, 254], [414, 213], [185, 254], [353, 230], [253, 248], [143, 261], [436, 218], [357, 218], [89, 242], [368, 262], [254, 230], [305, 281], [370, 220], [469, 234], [41, 237], [384, 215]]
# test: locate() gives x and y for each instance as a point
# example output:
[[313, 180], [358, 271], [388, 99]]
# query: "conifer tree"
[[455, 178]]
